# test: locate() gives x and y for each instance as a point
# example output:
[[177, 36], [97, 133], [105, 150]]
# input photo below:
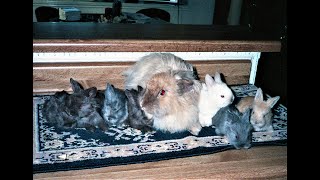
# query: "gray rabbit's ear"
[[178, 74], [76, 87], [246, 115], [109, 90], [259, 95], [128, 93], [217, 77], [140, 89], [91, 92], [272, 101], [184, 85], [209, 80]]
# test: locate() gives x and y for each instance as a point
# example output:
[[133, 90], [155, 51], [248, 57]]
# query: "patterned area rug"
[[60, 150]]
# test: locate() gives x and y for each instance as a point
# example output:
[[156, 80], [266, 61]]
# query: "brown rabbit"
[[171, 99], [261, 114]]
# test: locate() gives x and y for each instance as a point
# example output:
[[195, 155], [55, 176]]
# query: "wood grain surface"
[[264, 162], [52, 77]]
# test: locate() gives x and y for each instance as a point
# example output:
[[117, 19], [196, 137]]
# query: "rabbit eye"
[[252, 112], [222, 96], [162, 92]]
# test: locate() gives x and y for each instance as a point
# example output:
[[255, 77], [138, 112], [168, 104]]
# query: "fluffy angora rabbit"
[[234, 125], [151, 64], [261, 115], [171, 99], [77, 110], [214, 95]]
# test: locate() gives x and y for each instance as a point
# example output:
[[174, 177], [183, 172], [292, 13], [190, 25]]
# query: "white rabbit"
[[214, 95]]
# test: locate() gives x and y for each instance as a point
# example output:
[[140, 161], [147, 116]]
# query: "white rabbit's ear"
[[217, 77], [204, 87], [259, 95], [272, 101], [209, 80]]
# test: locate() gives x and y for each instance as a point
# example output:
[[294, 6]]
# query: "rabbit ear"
[[184, 85], [109, 91], [76, 87], [128, 93], [217, 77], [259, 95], [209, 80], [140, 89], [91, 92], [246, 115], [183, 74], [272, 101]]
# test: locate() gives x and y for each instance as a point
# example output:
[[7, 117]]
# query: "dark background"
[[269, 17]]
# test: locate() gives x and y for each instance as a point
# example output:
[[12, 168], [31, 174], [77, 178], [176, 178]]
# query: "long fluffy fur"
[[152, 64], [177, 110]]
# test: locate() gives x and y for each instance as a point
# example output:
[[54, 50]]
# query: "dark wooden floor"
[[263, 162]]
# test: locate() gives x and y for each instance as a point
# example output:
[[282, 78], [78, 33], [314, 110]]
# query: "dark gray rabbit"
[[136, 117], [234, 125], [54, 111], [115, 107], [78, 110]]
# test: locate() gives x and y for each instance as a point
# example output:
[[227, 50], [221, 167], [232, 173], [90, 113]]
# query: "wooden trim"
[[126, 45], [51, 77]]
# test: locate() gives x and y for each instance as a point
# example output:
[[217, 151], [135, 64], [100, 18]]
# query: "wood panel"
[[266, 162], [125, 45], [51, 77]]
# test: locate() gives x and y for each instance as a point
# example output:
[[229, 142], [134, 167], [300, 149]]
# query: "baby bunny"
[[261, 115], [115, 108], [53, 111], [152, 64], [171, 99], [77, 110], [234, 125], [214, 95], [136, 116]]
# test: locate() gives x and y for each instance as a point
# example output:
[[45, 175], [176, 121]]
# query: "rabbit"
[[261, 115], [152, 64], [53, 110], [136, 117], [115, 107], [171, 99], [214, 95], [77, 110], [234, 125]]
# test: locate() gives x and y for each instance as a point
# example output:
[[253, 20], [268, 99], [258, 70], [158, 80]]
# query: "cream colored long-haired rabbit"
[[151, 64], [171, 99]]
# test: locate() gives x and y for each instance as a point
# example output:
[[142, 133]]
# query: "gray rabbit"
[[115, 106], [136, 117], [234, 125], [78, 110]]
